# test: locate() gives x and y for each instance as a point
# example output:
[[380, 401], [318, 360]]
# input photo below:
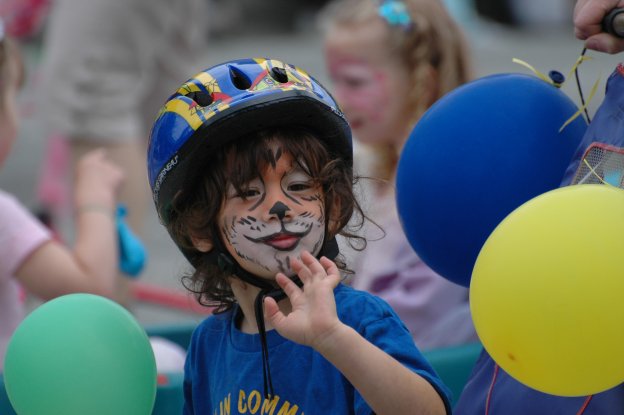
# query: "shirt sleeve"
[[389, 334], [375, 320], [20, 234]]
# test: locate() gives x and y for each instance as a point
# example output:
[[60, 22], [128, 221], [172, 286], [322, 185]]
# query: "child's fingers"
[[332, 270], [329, 266], [290, 288], [272, 311], [301, 269], [312, 263]]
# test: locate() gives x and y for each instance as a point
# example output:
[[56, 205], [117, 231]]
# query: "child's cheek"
[[372, 98], [378, 98]]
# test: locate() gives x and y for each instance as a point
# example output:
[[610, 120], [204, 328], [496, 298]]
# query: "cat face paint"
[[277, 215]]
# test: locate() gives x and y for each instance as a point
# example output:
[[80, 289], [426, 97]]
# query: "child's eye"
[[298, 181], [243, 193], [248, 193], [300, 186]]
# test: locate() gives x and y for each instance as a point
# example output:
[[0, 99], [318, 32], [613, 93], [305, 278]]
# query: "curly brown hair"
[[194, 214]]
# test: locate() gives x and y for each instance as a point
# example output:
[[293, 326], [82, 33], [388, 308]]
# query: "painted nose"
[[279, 209]]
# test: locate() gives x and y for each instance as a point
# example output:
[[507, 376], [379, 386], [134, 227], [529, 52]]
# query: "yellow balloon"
[[547, 291]]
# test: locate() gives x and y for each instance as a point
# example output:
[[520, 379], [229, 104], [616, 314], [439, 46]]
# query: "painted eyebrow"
[[296, 169], [262, 197], [273, 156]]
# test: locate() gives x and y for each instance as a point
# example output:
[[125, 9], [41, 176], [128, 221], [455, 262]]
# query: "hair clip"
[[395, 13]]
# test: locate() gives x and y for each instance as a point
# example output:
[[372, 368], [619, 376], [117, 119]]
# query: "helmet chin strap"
[[226, 263]]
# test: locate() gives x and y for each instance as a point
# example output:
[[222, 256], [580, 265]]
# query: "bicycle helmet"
[[228, 101]]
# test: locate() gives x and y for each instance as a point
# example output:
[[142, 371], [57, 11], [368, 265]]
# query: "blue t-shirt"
[[223, 373], [510, 397]]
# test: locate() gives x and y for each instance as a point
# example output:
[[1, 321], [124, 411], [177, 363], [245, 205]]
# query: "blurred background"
[[539, 32]]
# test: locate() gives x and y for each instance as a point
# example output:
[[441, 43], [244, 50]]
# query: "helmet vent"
[[202, 98], [239, 79], [279, 74]]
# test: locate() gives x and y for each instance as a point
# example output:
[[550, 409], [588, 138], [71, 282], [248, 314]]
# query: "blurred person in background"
[[389, 62], [108, 65], [30, 258]]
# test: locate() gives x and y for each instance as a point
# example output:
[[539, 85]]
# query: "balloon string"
[[584, 105], [581, 58], [595, 173], [535, 71], [583, 109]]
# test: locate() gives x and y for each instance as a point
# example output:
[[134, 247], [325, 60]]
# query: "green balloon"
[[80, 354]]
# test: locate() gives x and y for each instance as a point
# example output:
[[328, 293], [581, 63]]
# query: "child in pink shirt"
[[29, 256]]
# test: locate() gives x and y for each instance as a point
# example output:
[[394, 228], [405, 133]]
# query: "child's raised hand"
[[313, 317], [98, 181]]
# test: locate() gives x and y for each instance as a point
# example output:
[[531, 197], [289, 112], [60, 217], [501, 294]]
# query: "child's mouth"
[[282, 242]]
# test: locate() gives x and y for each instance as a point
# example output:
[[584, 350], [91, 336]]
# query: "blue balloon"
[[479, 152]]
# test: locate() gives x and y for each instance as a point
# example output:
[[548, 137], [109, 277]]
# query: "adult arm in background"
[[588, 15], [54, 269]]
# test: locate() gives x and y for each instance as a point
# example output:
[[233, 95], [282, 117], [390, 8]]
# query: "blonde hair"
[[432, 44]]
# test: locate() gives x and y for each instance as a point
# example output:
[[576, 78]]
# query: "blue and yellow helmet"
[[228, 101]]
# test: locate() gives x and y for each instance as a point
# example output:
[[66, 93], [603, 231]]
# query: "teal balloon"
[[80, 354]]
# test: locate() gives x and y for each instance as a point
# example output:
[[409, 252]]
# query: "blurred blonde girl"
[[389, 62]]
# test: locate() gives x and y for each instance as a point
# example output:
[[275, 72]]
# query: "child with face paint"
[[250, 164], [30, 258], [389, 62]]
